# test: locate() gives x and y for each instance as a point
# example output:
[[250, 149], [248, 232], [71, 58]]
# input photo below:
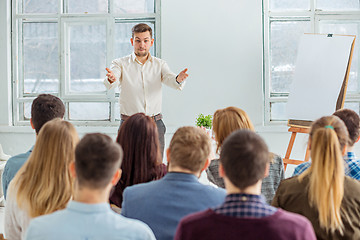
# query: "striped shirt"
[[352, 166], [242, 205]]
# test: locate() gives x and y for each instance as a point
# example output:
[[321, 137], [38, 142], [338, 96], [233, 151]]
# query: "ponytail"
[[328, 137]]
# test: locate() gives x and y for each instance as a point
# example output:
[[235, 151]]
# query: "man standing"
[[244, 162], [88, 215], [162, 203], [43, 109], [139, 76]]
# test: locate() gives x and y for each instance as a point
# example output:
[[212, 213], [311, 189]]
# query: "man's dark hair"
[[45, 108], [97, 158], [140, 28], [244, 156], [352, 123]]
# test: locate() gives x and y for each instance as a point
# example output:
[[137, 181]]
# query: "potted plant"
[[204, 121]]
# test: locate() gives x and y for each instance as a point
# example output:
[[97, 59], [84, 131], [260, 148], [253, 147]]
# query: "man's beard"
[[141, 54]]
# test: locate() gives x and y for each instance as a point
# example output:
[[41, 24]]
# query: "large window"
[[62, 47], [284, 24]]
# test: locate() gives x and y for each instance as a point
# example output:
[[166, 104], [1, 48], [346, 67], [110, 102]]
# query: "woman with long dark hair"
[[138, 137]]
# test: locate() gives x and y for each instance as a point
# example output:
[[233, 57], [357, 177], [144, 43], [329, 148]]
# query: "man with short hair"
[[43, 109], [162, 203], [244, 162], [352, 165], [139, 77], [88, 216]]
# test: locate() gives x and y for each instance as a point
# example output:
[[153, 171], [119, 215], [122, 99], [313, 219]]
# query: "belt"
[[156, 117]]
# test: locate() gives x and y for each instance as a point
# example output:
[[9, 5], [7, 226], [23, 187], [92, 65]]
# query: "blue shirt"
[[87, 221], [352, 166], [162, 203], [243, 205], [12, 166]]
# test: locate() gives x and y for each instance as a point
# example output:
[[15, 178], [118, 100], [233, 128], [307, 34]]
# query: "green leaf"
[[204, 121]]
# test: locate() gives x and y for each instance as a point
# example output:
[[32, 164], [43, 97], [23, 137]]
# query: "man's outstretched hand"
[[182, 76], [110, 75]]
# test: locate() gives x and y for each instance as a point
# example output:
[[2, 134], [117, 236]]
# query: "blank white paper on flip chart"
[[319, 73]]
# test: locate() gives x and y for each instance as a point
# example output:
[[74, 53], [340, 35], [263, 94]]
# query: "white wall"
[[220, 41]]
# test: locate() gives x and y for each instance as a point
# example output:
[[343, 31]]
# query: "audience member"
[[43, 184], [88, 215], [138, 136], [44, 108], [323, 194], [352, 165], [161, 204], [225, 122], [244, 162]]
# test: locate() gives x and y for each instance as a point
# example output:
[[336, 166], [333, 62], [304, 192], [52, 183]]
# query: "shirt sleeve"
[[275, 201], [4, 179], [169, 78], [123, 204], [12, 227], [115, 67]]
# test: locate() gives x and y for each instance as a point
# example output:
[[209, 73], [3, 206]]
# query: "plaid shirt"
[[352, 166], [245, 206]]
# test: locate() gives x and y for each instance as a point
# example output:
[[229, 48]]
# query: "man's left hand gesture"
[[182, 76]]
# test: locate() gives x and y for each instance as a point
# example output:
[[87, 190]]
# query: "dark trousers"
[[161, 132]]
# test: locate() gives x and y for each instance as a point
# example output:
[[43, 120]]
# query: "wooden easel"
[[294, 131], [299, 126]]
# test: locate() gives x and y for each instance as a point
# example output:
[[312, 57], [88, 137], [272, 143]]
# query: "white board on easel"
[[321, 75]]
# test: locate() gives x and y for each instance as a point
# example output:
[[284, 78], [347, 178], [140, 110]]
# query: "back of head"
[[352, 123], [140, 28], [44, 182], [97, 158], [138, 137], [45, 108], [244, 156], [228, 120], [328, 137], [189, 148]]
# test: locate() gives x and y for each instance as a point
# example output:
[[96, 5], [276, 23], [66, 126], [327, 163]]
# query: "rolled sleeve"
[[169, 78], [115, 67]]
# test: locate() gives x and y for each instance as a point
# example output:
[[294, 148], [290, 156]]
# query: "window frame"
[[314, 16], [65, 20]]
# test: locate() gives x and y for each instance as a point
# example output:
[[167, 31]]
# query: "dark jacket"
[[292, 196]]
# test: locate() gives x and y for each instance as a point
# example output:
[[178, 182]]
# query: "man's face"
[[142, 43]]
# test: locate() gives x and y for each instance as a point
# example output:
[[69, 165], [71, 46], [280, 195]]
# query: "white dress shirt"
[[140, 84]]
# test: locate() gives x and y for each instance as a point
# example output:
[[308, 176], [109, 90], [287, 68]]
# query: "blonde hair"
[[44, 184], [328, 137], [189, 148], [227, 120]]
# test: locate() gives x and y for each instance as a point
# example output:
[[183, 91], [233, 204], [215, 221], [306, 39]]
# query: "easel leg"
[[288, 151], [307, 154]]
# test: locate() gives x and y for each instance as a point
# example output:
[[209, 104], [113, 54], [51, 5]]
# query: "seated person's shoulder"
[[301, 168], [295, 224], [291, 185], [352, 186]]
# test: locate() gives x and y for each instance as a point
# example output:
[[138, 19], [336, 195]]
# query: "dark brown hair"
[[244, 156], [138, 137], [352, 123], [45, 108], [97, 158], [140, 28], [189, 148]]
